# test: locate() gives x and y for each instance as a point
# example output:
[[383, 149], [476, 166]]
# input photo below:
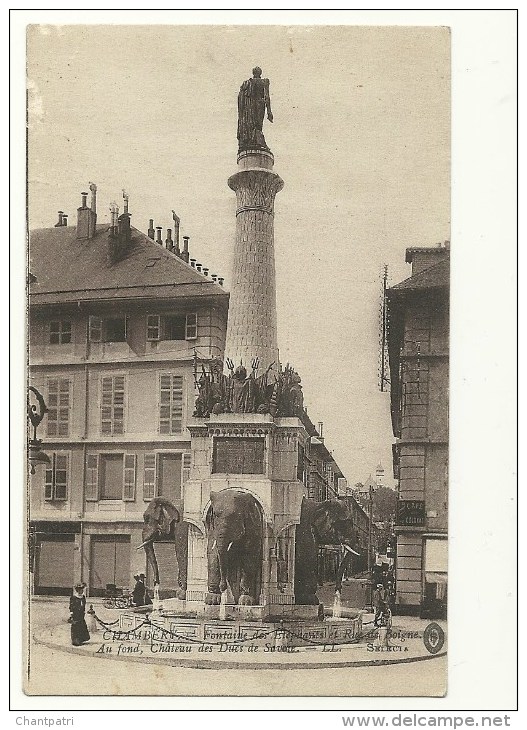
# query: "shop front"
[[435, 577], [53, 551]]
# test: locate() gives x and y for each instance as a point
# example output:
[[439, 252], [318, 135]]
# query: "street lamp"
[[35, 454]]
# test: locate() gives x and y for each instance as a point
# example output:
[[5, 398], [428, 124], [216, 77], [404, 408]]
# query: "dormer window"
[[171, 327], [60, 332]]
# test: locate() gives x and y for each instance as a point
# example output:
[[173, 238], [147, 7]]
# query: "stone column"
[[251, 328]]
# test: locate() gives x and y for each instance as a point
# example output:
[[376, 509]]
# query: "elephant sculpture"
[[234, 546], [321, 523], [162, 521]]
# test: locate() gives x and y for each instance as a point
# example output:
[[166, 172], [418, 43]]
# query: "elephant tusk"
[[213, 544], [347, 547], [230, 545], [143, 544]]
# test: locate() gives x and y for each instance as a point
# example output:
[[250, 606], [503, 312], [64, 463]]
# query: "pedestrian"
[[79, 630], [384, 628], [140, 595], [379, 602]]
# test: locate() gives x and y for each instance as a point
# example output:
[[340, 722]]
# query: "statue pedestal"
[[274, 484]]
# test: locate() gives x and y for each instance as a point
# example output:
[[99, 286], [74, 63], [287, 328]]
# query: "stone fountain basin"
[[242, 625]]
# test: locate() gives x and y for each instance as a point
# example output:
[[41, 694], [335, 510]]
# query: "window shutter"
[[106, 405], [191, 326], [129, 477], [118, 404], [92, 477], [64, 407], [187, 459], [149, 480], [95, 329], [112, 404], [171, 404], [153, 327], [58, 407], [53, 402], [61, 476], [48, 488]]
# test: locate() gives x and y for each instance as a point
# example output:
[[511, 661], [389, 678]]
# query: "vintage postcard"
[[238, 290]]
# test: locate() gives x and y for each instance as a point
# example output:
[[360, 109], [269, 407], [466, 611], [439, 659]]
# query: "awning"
[[436, 577]]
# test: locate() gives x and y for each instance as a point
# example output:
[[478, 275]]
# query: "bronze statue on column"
[[253, 101]]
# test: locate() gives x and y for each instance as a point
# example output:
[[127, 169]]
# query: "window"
[[107, 330], [56, 484], [60, 332], [191, 327], [111, 476], [112, 405], [59, 404], [164, 474], [171, 404], [175, 327], [238, 456], [172, 327], [153, 327], [115, 330]]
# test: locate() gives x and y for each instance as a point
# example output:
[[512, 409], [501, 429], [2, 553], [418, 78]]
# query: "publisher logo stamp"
[[434, 638]]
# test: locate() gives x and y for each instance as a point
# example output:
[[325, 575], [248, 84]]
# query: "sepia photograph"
[[238, 328]]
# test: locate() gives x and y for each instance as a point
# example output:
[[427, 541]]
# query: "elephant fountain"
[[162, 521], [234, 547], [321, 523]]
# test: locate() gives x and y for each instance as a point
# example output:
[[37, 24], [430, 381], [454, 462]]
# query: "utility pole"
[[370, 514]]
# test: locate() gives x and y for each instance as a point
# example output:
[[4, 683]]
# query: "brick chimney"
[[185, 254], [86, 219], [151, 230], [59, 223], [423, 257], [93, 217], [176, 232], [120, 235]]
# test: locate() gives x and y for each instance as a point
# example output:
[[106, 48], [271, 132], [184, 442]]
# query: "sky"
[[361, 138]]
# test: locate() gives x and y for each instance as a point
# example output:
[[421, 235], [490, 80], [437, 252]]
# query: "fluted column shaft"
[[251, 328]]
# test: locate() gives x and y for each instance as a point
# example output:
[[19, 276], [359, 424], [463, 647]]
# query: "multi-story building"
[[419, 354], [117, 324]]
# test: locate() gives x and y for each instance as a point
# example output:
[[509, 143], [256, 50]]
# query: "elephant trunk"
[[346, 560], [151, 558]]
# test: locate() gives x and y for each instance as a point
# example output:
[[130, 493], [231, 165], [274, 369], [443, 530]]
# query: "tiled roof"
[[435, 277], [71, 269]]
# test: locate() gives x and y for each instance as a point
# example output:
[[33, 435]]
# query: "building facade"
[[418, 342], [118, 323]]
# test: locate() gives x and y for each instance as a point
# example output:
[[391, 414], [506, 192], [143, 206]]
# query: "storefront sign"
[[410, 512]]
